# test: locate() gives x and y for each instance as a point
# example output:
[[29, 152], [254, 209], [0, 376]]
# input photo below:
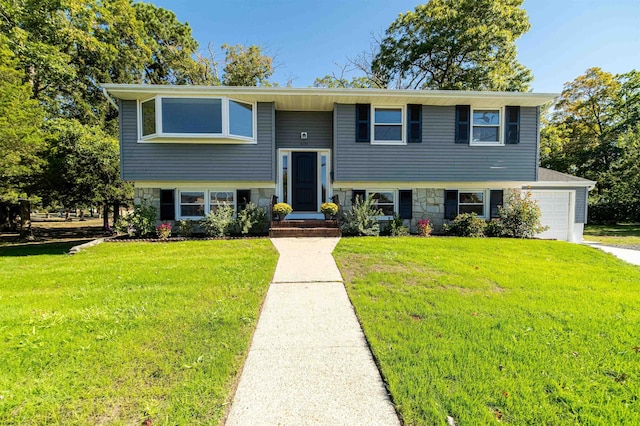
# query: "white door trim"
[[282, 152]]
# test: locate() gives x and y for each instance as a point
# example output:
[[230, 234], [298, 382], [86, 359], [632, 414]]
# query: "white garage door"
[[556, 213]]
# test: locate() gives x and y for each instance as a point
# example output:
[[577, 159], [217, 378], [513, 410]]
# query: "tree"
[[453, 44], [246, 66], [21, 135], [593, 133]]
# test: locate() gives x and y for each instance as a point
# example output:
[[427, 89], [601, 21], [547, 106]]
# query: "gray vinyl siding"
[[438, 157], [193, 161], [317, 124], [582, 198]]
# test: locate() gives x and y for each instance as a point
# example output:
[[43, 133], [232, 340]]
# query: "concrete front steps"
[[305, 228]]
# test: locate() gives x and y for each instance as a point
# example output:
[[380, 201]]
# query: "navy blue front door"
[[304, 186]]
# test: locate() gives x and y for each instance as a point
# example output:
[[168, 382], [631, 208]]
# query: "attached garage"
[[562, 199], [557, 213]]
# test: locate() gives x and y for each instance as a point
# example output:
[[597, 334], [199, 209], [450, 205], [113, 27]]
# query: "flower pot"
[[328, 216], [281, 216]]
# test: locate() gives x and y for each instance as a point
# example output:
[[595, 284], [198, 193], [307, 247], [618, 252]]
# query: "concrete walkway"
[[628, 255], [309, 363]]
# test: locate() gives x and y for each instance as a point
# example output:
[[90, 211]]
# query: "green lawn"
[[627, 235], [124, 332], [487, 330]]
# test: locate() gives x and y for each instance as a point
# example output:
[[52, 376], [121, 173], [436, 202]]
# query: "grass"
[[626, 235], [121, 333], [491, 330]]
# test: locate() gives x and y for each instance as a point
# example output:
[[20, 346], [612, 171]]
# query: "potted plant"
[[329, 210], [424, 227], [282, 209]]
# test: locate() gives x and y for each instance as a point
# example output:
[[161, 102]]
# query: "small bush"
[[185, 227], [424, 227], [163, 231], [466, 225], [330, 209], [218, 222], [494, 229], [140, 223], [251, 220], [282, 208], [520, 217], [362, 218], [397, 228]]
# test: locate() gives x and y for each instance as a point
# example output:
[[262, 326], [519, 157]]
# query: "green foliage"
[[251, 220], [139, 223], [127, 332], [331, 81], [282, 208], [21, 134], [246, 66], [468, 328], [163, 231], [466, 225], [397, 228], [185, 227], [593, 133], [494, 229], [362, 218], [219, 222], [454, 44], [520, 216]]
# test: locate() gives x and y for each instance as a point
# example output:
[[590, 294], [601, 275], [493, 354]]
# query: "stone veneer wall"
[[428, 203], [262, 198]]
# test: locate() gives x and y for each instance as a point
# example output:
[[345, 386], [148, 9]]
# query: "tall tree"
[[246, 66], [593, 132], [452, 44], [21, 135]]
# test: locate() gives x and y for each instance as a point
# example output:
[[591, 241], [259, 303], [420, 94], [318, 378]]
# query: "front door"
[[304, 185]]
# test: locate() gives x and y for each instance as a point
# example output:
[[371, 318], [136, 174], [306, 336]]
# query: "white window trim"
[[369, 192], [500, 141], [207, 201], [485, 201], [225, 134], [403, 124], [287, 153]]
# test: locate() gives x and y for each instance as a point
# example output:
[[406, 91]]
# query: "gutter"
[[110, 99]]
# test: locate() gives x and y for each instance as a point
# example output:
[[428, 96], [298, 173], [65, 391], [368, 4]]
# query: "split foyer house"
[[424, 154]]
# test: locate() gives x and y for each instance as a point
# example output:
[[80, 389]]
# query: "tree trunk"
[[67, 216], [105, 216], [116, 211], [25, 221]]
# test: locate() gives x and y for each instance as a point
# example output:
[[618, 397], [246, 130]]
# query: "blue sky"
[[308, 37]]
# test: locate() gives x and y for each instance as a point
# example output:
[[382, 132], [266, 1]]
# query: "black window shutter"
[[405, 205], [243, 197], [167, 204], [450, 204], [359, 193], [463, 121], [495, 200], [512, 130], [363, 122], [414, 127]]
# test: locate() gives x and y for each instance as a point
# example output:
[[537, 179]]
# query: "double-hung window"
[[195, 204], [388, 125], [385, 201], [486, 126], [192, 204], [471, 202], [197, 118]]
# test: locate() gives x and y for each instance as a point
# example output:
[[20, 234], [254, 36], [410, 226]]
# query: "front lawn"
[[122, 333], [626, 235], [488, 330]]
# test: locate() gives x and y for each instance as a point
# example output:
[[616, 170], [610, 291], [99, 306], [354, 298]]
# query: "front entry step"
[[305, 228]]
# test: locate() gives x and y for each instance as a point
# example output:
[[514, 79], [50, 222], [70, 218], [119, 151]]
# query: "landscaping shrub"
[[424, 227], [520, 217], [362, 218], [140, 223], [466, 225], [494, 228], [218, 222], [185, 227], [614, 212], [397, 228], [251, 220], [163, 231]]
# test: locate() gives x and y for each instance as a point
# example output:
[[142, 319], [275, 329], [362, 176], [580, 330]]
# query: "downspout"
[[110, 99]]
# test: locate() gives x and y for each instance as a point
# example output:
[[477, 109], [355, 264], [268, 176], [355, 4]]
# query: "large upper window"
[[388, 125], [486, 126], [197, 117]]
